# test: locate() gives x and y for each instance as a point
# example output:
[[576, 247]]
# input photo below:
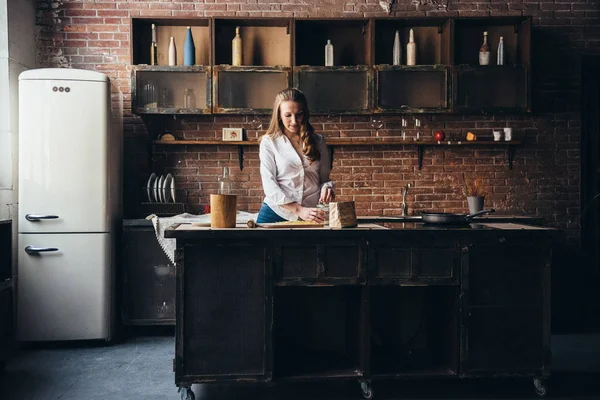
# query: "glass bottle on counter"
[[153, 48], [225, 182], [484, 51]]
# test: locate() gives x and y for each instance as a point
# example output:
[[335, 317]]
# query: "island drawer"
[[414, 262], [308, 262]]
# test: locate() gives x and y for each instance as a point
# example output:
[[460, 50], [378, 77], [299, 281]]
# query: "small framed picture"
[[233, 134]]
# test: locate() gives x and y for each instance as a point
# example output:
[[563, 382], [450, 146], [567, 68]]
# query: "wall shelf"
[[335, 142]]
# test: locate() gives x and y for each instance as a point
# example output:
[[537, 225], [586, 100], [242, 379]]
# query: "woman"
[[294, 164]]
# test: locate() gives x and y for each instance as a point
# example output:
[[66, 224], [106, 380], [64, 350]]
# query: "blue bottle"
[[189, 50]]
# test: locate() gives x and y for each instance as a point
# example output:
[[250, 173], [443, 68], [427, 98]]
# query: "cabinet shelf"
[[167, 27], [334, 142]]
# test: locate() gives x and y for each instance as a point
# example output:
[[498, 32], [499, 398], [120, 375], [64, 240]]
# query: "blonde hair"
[[307, 132]]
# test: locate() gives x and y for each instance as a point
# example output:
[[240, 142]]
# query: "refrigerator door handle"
[[36, 250], [36, 218]]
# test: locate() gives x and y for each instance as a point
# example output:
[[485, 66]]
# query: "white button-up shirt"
[[287, 177]]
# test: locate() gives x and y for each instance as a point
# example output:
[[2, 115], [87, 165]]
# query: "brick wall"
[[545, 178]]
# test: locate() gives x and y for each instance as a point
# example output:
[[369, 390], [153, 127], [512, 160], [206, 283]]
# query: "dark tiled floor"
[[140, 368]]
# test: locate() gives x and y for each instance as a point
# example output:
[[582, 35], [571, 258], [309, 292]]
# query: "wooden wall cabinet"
[[279, 52]]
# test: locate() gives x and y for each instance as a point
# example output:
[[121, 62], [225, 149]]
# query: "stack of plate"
[[161, 189]]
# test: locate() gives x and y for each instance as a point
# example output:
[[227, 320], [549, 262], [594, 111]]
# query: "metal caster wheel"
[[540, 387], [186, 393], [367, 390]]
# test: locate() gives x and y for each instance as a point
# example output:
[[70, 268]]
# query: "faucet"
[[404, 205]]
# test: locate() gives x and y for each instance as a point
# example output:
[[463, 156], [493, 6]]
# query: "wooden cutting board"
[[284, 225]]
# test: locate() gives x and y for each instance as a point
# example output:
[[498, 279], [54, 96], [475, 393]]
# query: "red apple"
[[439, 136]]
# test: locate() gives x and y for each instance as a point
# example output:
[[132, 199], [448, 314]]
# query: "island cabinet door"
[[505, 307], [308, 261], [224, 311]]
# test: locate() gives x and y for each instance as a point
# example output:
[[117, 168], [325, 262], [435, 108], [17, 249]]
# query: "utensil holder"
[[223, 208], [475, 203]]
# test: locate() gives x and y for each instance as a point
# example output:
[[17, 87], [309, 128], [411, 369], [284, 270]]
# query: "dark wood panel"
[[5, 250], [424, 261], [225, 309], [312, 261], [342, 261], [413, 329], [7, 330], [393, 262], [507, 274], [316, 332], [298, 261], [504, 340], [435, 263]]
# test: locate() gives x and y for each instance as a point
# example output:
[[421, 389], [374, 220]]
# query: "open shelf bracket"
[[511, 155], [241, 156]]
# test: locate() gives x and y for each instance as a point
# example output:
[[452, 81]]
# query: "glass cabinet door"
[[492, 89], [412, 89], [240, 90], [335, 89], [165, 90]]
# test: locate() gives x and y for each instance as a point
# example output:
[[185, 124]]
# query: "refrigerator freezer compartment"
[[64, 294]]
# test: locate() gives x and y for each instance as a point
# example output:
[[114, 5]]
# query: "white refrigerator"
[[70, 158]]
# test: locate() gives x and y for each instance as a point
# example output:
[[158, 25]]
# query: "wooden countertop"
[[241, 231]]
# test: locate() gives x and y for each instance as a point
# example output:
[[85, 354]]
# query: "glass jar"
[[325, 208]]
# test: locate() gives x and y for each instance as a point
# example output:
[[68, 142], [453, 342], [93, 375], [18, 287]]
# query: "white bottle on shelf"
[[500, 57], [172, 52], [411, 50], [329, 54], [236, 48], [397, 54]]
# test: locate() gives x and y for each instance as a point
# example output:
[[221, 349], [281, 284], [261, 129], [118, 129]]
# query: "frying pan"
[[441, 218]]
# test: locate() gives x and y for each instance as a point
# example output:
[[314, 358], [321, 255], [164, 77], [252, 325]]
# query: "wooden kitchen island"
[[387, 300]]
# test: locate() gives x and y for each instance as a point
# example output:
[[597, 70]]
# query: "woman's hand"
[[327, 195], [312, 214]]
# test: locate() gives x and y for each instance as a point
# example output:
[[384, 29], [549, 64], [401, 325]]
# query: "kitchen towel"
[[161, 224]]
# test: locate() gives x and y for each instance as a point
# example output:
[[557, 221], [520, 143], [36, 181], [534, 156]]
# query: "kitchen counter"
[[260, 304], [188, 231], [531, 220]]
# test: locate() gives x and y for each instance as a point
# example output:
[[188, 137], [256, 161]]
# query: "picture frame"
[[233, 134]]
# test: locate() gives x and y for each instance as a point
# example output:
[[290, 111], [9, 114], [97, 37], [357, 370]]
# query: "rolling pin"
[[252, 224]]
